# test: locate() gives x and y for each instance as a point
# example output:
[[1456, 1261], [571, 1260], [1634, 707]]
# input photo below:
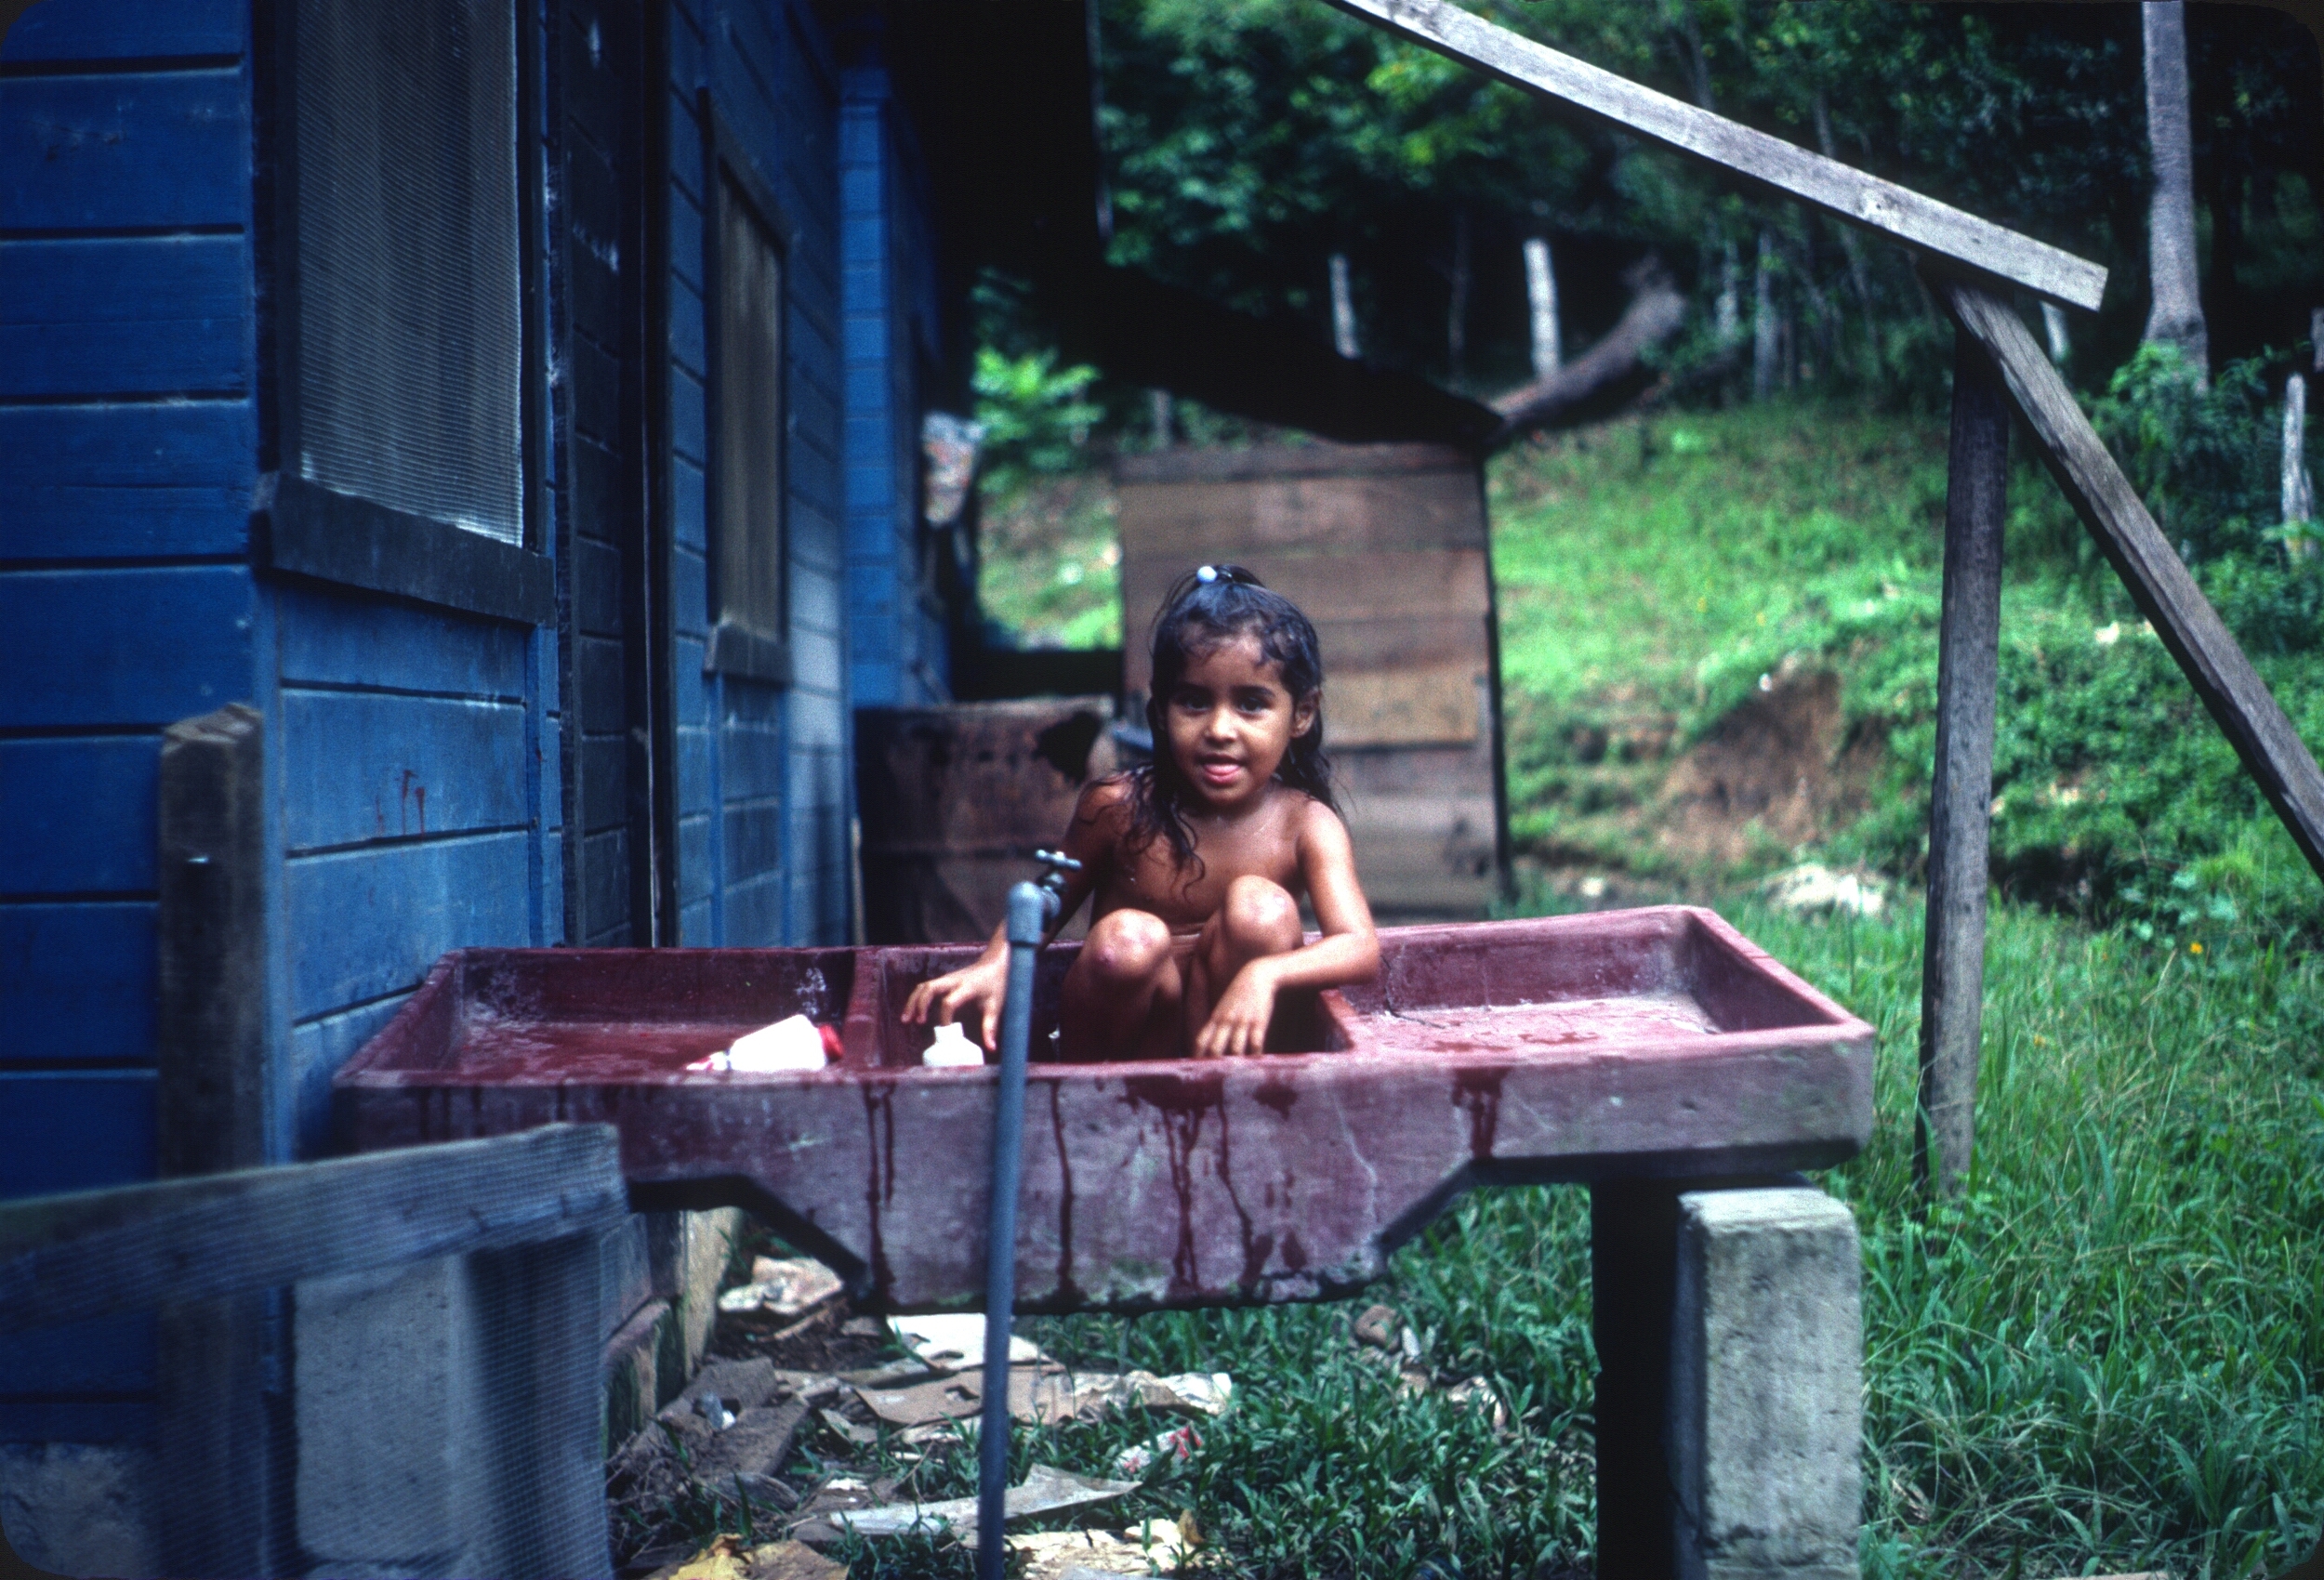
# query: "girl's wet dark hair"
[[1205, 607]]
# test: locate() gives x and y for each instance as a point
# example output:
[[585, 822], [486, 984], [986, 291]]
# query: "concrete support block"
[[81, 1508], [710, 1238], [1766, 1386], [389, 1432], [633, 1390]]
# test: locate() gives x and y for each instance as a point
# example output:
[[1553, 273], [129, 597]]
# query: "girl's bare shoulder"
[[1106, 804]]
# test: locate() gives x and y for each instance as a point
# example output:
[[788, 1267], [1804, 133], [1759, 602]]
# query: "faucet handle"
[[1055, 865]]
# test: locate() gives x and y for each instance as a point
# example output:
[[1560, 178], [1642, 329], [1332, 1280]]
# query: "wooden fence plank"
[[166, 148], [114, 316], [2165, 592], [1952, 961], [1836, 189], [371, 921], [142, 645], [76, 814], [70, 1258]]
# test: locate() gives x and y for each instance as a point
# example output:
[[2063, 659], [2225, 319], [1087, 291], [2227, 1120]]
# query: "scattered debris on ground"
[[1381, 1328], [727, 1559], [1156, 1547], [788, 1287], [1813, 887], [790, 1364], [1045, 1491]]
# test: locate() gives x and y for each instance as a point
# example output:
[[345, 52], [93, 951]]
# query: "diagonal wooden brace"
[[2158, 580]]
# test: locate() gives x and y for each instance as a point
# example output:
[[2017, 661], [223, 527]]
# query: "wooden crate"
[[955, 799], [1384, 546]]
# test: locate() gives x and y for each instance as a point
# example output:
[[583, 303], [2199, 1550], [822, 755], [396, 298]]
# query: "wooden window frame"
[[738, 644], [302, 529]]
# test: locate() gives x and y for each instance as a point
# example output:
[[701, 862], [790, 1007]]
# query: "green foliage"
[[1036, 416], [1794, 537], [2103, 1360]]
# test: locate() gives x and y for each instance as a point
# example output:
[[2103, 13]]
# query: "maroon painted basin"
[[1648, 1042]]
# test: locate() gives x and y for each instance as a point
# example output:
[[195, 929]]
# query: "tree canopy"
[[1246, 140]]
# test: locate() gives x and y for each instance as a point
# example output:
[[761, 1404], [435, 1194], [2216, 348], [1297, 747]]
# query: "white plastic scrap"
[[785, 1286], [951, 1342], [794, 1043], [952, 1049], [1179, 1442]]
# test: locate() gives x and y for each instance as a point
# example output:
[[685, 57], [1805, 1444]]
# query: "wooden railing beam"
[[1968, 645], [1932, 228], [2150, 568]]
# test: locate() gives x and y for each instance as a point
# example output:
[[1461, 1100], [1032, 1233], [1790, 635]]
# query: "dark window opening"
[[401, 318], [749, 587]]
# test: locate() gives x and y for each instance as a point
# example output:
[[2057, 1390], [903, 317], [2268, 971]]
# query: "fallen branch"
[[1653, 315]]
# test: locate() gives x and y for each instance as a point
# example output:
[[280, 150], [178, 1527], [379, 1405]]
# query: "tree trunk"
[[1541, 296], [1456, 312], [2176, 317], [1728, 316], [1653, 316], [1343, 309], [1765, 351], [1159, 403], [2054, 325]]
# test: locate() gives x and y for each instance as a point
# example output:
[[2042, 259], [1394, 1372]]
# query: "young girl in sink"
[[1198, 860]]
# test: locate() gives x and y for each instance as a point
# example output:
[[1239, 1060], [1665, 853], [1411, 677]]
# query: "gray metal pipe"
[[1030, 907]]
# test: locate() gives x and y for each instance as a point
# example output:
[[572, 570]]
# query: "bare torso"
[[1263, 842]]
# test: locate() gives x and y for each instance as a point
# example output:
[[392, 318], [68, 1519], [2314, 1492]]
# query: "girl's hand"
[[1239, 1023], [981, 986]]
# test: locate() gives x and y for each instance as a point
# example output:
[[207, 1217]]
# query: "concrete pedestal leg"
[[1766, 1412], [1633, 1235], [1730, 1356]]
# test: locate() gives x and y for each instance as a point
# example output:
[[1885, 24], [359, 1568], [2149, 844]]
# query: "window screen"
[[748, 403], [405, 362]]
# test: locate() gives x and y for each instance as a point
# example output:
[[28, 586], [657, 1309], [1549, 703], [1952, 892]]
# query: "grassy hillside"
[[2104, 1361]]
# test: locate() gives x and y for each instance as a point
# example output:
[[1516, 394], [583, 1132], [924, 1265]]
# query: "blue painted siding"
[[126, 148], [755, 866], [123, 315], [127, 433], [118, 30], [109, 480], [897, 653]]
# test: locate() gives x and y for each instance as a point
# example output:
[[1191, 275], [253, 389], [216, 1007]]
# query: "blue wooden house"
[[491, 430], [515, 407]]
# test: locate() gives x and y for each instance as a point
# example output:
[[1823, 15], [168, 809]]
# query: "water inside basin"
[[1652, 1041]]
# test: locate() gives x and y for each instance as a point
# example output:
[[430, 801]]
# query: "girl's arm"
[[1348, 950], [983, 984]]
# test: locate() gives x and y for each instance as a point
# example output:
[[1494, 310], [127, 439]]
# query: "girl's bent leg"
[[1121, 998], [1259, 918]]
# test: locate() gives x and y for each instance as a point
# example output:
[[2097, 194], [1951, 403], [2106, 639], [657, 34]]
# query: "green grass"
[[2106, 1359], [2108, 1356], [1639, 564], [1049, 561]]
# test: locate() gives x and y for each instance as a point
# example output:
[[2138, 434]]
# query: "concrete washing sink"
[[1648, 1044]]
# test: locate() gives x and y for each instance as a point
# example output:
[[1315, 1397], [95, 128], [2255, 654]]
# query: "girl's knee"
[[1261, 916], [1127, 945]]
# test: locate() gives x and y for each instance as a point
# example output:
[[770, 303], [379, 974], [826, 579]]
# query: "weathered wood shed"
[[542, 623], [1384, 547]]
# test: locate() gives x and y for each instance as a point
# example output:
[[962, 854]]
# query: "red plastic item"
[[1648, 1042]]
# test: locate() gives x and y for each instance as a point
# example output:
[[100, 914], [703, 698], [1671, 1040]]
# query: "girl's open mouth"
[[1219, 771]]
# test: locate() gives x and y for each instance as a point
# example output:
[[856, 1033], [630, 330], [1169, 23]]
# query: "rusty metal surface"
[[1630, 1042]]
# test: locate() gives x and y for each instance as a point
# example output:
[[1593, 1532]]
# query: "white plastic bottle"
[[952, 1049]]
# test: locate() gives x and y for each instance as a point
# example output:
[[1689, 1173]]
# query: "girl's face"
[[1231, 721]]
